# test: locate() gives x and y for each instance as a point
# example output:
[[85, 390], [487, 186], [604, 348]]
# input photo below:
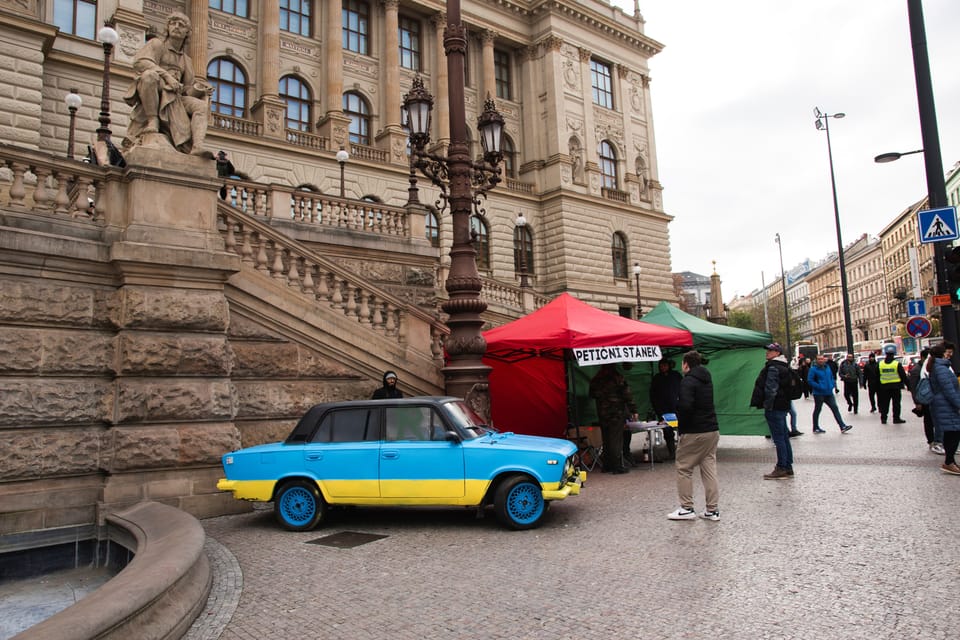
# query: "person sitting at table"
[[664, 392]]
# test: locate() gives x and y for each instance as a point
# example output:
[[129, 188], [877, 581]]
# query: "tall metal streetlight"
[[932, 160], [73, 102], [108, 37], [823, 122], [522, 248], [636, 276], [342, 157], [783, 281], [463, 184]]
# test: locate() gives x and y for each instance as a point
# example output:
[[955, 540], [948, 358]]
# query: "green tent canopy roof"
[[707, 336]]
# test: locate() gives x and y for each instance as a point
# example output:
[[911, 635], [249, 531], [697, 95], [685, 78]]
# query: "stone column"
[[441, 91], [198, 37], [489, 86], [531, 141], [391, 137], [590, 142], [334, 125], [656, 190], [269, 109], [632, 181]]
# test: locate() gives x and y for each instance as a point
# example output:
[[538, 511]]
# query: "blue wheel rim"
[[525, 503], [298, 506]]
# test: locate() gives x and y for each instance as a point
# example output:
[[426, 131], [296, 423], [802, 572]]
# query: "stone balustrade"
[[278, 256], [41, 183], [277, 201], [236, 125]]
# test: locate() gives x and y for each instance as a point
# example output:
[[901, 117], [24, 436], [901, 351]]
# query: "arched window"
[[481, 242], [522, 247], [433, 228], [618, 248], [229, 87], [296, 95], [355, 108], [509, 157], [608, 165]]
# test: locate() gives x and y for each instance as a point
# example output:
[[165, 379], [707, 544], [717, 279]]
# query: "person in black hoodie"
[[698, 435], [389, 388]]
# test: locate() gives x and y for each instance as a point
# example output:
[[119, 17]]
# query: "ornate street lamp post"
[[463, 185], [73, 102], [522, 248], [342, 157], [108, 37], [783, 282], [823, 122], [636, 276]]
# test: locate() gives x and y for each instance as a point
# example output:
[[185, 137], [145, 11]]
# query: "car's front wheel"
[[519, 503], [299, 506]]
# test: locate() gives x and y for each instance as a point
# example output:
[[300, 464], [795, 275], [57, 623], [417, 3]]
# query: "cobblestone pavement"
[[860, 544]]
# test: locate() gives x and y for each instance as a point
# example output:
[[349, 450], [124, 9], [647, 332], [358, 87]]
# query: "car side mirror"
[[451, 436]]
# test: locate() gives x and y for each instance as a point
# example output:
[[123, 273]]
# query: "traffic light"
[[953, 273]]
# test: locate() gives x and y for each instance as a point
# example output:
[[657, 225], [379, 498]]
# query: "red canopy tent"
[[528, 381]]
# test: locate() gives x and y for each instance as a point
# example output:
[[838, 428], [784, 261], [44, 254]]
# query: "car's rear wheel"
[[519, 503], [299, 506]]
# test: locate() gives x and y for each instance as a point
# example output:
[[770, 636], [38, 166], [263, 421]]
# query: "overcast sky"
[[740, 159]]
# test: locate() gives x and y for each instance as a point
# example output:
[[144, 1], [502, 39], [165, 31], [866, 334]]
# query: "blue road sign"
[[918, 327], [916, 307], [938, 225]]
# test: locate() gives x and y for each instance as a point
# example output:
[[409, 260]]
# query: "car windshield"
[[465, 418]]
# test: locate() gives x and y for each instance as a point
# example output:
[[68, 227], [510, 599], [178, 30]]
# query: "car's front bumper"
[[570, 488]]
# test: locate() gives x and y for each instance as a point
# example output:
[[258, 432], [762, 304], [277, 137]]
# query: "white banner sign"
[[629, 353]]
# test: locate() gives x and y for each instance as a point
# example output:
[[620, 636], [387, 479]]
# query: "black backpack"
[[795, 388]]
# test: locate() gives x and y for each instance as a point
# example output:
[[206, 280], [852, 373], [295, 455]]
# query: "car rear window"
[[348, 425]]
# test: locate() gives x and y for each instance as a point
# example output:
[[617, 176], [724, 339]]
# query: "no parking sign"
[[918, 327]]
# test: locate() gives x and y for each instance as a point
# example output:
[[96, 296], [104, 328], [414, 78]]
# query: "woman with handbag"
[[945, 406]]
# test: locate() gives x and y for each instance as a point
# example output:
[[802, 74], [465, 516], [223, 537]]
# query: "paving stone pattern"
[[859, 545]]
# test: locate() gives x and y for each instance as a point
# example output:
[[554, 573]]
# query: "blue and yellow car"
[[411, 451]]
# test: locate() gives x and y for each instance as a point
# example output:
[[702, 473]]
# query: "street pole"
[[933, 162], [783, 281]]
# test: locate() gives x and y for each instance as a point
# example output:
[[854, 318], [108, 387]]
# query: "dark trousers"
[[885, 394], [851, 394], [872, 394], [928, 425], [612, 444], [950, 441]]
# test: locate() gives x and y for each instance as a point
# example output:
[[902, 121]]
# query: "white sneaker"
[[711, 515], [936, 448], [683, 514]]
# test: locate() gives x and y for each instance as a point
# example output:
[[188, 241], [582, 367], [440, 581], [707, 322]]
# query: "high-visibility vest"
[[888, 372]]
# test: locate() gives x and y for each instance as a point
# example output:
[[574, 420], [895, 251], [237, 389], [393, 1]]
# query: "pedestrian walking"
[[614, 405], [945, 405], [770, 394], [871, 380], [698, 434], [664, 393], [804, 370], [892, 379], [823, 385], [852, 377], [921, 410], [389, 388]]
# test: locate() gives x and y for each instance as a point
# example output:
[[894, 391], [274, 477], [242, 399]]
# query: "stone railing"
[[363, 152], [236, 125], [42, 183], [616, 194], [271, 252], [287, 203], [308, 140], [497, 292], [518, 186]]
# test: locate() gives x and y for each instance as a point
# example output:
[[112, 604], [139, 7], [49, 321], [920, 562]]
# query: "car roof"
[[312, 415]]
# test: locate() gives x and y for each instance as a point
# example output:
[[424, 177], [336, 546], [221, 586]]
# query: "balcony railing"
[[308, 140], [615, 194], [236, 125]]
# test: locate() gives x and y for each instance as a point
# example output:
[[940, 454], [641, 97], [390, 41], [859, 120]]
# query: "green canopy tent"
[[735, 357]]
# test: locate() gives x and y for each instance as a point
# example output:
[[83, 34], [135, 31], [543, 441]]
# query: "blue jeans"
[[793, 417], [777, 422], [831, 402]]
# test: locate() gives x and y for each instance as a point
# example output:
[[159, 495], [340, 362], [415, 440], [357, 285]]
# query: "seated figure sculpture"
[[165, 96]]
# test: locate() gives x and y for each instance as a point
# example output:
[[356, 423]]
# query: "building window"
[[608, 165], [409, 43], [509, 157], [501, 71], [229, 88], [481, 242], [78, 17], [522, 242], [355, 107], [433, 229], [296, 95], [619, 250], [356, 24], [601, 81], [236, 7], [295, 16]]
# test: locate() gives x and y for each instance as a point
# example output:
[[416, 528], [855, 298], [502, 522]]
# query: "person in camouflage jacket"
[[614, 406]]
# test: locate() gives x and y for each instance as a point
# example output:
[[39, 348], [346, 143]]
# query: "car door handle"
[[314, 456], [390, 455]]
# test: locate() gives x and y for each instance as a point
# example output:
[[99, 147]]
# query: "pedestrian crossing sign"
[[938, 225]]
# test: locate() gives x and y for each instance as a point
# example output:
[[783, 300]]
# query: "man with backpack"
[[771, 392]]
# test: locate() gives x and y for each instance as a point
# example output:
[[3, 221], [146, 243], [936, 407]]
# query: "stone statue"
[[576, 159], [166, 97]]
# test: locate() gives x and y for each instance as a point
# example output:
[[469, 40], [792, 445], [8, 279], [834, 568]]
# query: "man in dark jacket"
[[871, 379], [770, 394], [852, 376], [614, 405], [699, 433], [389, 388], [664, 391]]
